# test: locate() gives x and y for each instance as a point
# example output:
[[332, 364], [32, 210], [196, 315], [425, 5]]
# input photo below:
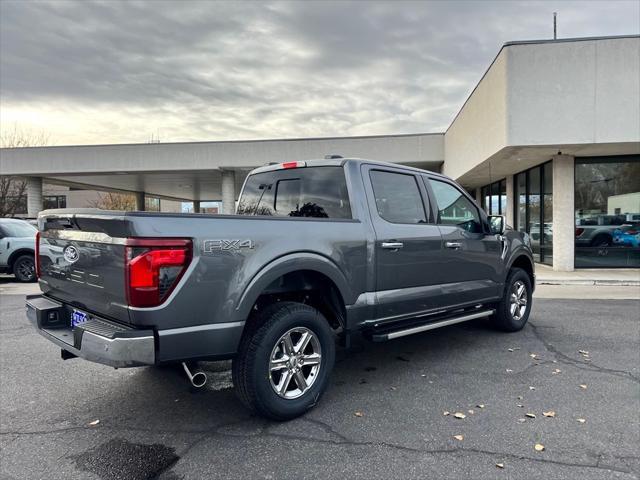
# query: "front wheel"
[[24, 269], [513, 310], [284, 361]]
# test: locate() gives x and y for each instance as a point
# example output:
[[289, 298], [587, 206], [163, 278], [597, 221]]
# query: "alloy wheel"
[[295, 362], [518, 300]]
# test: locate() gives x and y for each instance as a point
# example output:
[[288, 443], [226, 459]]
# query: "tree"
[[13, 189], [114, 201], [123, 201]]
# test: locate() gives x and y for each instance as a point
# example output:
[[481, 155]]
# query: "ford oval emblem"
[[71, 254]]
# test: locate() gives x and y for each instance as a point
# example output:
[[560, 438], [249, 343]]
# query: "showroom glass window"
[[494, 198], [54, 201], [533, 207], [607, 211]]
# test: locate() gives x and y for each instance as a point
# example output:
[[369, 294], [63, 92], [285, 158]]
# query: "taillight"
[[153, 268], [38, 254], [579, 231]]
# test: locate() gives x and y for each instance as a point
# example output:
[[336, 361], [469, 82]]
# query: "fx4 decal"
[[211, 246]]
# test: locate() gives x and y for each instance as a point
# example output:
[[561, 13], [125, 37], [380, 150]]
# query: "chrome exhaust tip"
[[198, 378]]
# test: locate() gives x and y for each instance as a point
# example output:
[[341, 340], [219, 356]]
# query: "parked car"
[[317, 252], [597, 231], [627, 235], [17, 249]]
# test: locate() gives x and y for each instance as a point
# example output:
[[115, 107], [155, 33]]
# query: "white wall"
[[479, 130], [574, 92]]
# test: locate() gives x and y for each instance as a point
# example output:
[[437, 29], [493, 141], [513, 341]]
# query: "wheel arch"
[[294, 276], [525, 262], [17, 254]]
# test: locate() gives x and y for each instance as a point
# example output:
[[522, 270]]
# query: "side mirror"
[[497, 224]]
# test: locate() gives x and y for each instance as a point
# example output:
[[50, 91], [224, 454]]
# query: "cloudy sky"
[[117, 72]]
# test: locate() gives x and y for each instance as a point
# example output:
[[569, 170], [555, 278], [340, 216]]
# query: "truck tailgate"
[[82, 261]]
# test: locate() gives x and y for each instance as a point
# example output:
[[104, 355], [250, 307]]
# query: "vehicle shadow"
[[178, 407]]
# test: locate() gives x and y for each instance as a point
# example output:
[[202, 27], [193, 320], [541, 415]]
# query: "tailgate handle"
[[454, 245]]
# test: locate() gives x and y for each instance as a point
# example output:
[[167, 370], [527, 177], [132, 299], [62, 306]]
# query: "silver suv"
[[17, 249]]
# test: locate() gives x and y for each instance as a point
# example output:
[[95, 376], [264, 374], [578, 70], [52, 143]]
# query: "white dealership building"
[[549, 137]]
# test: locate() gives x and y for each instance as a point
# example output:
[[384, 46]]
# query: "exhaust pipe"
[[197, 378]]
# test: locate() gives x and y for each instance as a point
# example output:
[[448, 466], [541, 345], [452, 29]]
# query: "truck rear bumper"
[[98, 340]]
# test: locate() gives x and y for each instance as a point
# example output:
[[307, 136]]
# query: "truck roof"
[[338, 162]]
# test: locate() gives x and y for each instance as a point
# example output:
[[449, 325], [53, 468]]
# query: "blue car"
[[627, 236]]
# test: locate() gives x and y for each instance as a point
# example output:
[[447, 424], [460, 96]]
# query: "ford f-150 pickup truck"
[[317, 251]]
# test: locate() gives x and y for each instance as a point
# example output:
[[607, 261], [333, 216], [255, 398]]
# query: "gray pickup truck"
[[316, 252]]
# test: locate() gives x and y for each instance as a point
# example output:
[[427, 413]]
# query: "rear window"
[[319, 192]]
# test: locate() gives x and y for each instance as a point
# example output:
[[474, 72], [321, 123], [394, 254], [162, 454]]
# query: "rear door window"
[[397, 196], [319, 192]]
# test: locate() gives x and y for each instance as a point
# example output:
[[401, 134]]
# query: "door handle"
[[454, 245], [392, 245]]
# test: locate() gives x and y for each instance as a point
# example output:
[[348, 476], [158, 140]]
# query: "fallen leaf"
[[471, 412], [583, 386], [500, 465], [522, 420], [533, 355], [459, 437], [532, 388], [520, 405], [393, 388], [459, 415], [94, 423], [359, 414], [423, 375], [550, 413], [445, 413], [539, 447], [556, 371], [520, 397], [581, 420], [509, 370], [480, 405], [530, 415], [583, 352], [430, 381]]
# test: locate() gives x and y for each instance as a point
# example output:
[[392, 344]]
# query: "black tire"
[[602, 240], [252, 377], [504, 318], [24, 269]]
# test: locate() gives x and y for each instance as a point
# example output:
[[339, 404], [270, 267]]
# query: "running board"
[[381, 337]]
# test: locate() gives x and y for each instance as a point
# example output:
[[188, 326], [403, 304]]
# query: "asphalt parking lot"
[[383, 416]]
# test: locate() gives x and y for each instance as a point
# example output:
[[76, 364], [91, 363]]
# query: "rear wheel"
[[513, 310], [24, 269], [284, 361]]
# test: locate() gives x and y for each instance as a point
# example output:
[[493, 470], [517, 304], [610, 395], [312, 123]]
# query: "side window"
[[397, 197], [454, 208]]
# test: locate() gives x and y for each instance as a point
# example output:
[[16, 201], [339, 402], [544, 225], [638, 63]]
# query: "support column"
[[509, 213], [196, 206], [34, 196], [228, 192], [140, 197], [479, 197], [563, 213]]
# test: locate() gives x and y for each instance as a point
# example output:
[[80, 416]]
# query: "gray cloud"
[[209, 71]]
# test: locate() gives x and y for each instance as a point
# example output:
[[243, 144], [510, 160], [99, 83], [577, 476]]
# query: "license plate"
[[78, 318]]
